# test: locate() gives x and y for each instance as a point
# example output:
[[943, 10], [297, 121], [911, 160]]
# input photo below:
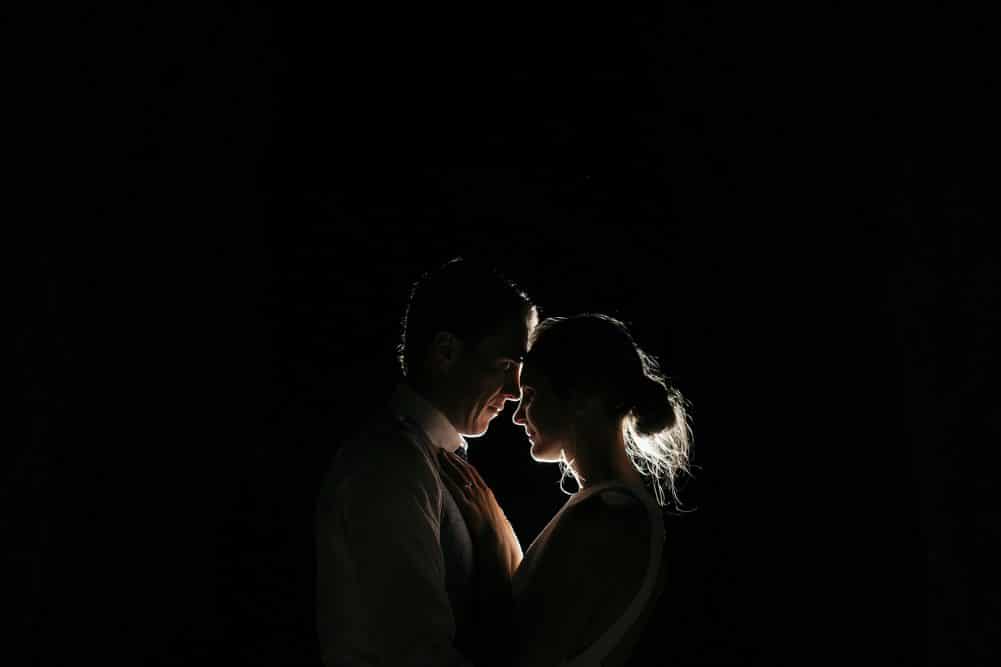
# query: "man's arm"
[[382, 575]]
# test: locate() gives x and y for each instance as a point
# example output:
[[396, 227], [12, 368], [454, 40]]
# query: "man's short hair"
[[466, 299]]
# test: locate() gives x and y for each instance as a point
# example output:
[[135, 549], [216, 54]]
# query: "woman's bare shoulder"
[[607, 530], [597, 558]]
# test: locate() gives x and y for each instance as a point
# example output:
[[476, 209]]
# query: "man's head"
[[465, 334]]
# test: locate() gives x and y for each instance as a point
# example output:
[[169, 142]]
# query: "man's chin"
[[481, 425], [478, 429]]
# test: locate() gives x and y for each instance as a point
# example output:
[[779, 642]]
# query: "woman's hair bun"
[[653, 407]]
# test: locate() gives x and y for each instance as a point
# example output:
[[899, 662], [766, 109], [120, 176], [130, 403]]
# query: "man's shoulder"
[[384, 446]]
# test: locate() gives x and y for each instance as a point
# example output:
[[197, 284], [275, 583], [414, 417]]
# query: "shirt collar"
[[408, 403]]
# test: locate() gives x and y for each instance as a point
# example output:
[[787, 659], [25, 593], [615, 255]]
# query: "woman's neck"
[[601, 457]]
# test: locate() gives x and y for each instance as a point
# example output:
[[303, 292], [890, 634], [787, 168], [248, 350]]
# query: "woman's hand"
[[487, 523], [498, 554]]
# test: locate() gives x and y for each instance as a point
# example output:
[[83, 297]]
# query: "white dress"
[[613, 493]]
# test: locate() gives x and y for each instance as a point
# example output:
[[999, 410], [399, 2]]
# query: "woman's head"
[[586, 373]]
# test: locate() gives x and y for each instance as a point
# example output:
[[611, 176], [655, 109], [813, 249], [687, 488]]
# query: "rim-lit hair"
[[464, 298], [594, 355]]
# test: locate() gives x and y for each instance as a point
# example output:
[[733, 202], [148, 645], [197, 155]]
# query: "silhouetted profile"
[[596, 403], [397, 572]]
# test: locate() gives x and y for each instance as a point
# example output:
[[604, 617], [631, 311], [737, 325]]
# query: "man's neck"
[[446, 429], [435, 397]]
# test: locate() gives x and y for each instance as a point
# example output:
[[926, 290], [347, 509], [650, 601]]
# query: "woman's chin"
[[543, 454]]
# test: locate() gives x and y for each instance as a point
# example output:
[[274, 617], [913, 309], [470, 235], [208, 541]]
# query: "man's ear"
[[445, 351]]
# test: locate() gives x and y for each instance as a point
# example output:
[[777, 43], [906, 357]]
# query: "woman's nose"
[[519, 415]]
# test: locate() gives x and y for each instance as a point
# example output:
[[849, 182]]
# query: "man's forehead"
[[510, 341]]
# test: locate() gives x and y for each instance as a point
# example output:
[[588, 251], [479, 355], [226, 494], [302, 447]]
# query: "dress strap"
[[597, 652]]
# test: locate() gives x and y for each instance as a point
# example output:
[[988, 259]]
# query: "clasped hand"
[[487, 522]]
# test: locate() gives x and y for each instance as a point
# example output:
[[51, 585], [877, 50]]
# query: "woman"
[[595, 403]]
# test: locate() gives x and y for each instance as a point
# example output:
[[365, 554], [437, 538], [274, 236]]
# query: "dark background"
[[796, 212]]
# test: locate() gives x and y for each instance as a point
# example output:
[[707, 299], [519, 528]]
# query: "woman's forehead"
[[530, 373]]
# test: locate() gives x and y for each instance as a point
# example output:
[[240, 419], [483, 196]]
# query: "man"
[[396, 569]]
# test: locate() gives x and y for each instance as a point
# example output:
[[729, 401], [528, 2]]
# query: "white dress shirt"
[[382, 594]]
